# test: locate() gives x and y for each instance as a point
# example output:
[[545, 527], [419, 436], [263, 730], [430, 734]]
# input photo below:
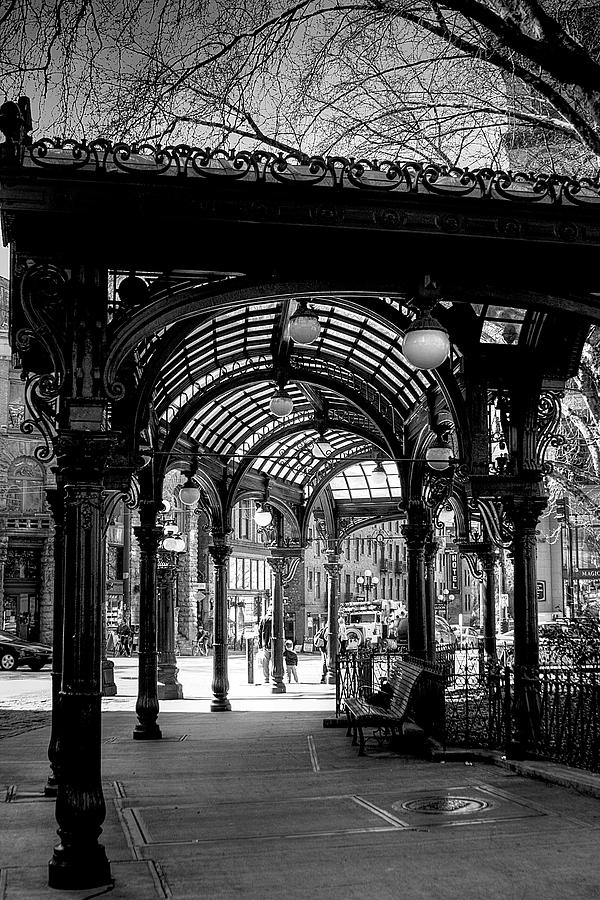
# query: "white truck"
[[363, 622]]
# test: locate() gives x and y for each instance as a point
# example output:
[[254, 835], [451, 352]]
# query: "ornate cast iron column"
[[278, 566], [148, 535], [430, 553], [415, 533], [79, 860], [220, 552], [54, 497], [524, 513], [283, 563], [332, 568], [488, 558], [169, 687]]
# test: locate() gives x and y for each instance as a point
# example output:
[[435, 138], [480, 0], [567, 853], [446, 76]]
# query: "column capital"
[[220, 553], [148, 537], [83, 455], [415, 534], [525, 512], [284, 565], [333, 569]]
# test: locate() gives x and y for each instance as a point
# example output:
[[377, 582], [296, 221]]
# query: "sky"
[[3, 261]]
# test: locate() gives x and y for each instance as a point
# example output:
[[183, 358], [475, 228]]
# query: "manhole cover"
[[443, 805]]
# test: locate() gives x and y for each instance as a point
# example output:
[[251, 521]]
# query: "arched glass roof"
[[353, 386]]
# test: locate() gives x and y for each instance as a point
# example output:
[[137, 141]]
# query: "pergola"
[[152, 291]]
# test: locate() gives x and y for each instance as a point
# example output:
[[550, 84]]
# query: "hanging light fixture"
[[426, 342], [439, 458], [281, 404], [263, 516], [174, 543], [378, 477], [304, 327], [189, 493]]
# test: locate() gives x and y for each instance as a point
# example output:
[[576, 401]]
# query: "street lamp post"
[[446, 597], [366, 582]]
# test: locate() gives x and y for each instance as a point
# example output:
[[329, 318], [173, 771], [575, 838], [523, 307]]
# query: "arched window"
[[25, 488]]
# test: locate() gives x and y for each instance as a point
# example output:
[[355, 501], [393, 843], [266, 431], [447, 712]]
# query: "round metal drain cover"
[[443, 805]]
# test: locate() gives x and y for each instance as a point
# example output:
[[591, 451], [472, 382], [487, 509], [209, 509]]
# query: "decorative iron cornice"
[[148, 162]]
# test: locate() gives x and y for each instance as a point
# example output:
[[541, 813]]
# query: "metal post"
[[332, 568], [79, 861], [220, 552], [250, 659], [169, 687], [148, 535]]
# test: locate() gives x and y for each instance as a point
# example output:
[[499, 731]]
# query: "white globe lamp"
[[426, 343], [281, 404], [438, 458], [263, 517], [189, 493], [378, 477], [304, 326]]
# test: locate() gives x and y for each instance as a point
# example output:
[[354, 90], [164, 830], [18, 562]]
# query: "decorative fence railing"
[[569, 716], [483, 703]]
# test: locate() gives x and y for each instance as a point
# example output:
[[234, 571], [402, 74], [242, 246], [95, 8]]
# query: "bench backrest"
[[402, 680]]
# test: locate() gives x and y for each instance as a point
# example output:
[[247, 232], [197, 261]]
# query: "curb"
[[578, 780]]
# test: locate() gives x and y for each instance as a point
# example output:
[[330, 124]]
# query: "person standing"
[[291, 662], [265, 631], [320, 642], [342, 634]]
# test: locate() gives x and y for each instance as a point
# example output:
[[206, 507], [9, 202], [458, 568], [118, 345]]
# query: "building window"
[[310, 579], [318, 591], [348, 587], [25, 488]]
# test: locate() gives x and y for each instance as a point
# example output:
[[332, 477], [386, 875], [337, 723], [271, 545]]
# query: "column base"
[[147, 732], [220, 705], [77, 870], [169, 691], [330, 679], [278, 689]]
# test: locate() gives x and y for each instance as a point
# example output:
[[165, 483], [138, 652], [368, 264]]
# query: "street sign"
[[585, 574]]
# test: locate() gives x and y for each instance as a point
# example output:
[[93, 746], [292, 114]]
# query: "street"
[[27, 690]]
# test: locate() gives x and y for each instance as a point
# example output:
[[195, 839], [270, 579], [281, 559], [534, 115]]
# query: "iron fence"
[[468, 701], [568, 729]]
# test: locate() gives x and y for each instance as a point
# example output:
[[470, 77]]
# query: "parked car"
[[16, 651], [444, 636]]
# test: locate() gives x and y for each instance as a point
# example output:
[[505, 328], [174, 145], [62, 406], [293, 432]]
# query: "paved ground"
[[265, 802]]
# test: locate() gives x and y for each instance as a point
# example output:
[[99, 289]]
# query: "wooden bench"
[[360, 713]]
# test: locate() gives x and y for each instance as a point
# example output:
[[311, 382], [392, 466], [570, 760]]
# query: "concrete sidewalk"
[[268, 803]]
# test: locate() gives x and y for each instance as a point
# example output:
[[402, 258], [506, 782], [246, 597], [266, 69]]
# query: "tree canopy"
[[458, 82]]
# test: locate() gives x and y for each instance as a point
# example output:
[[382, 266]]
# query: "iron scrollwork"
[[149, 161], [548, 418]]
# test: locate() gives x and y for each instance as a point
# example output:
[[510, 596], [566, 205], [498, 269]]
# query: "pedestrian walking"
[[265, 630], [320, 642], [342, 634]]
